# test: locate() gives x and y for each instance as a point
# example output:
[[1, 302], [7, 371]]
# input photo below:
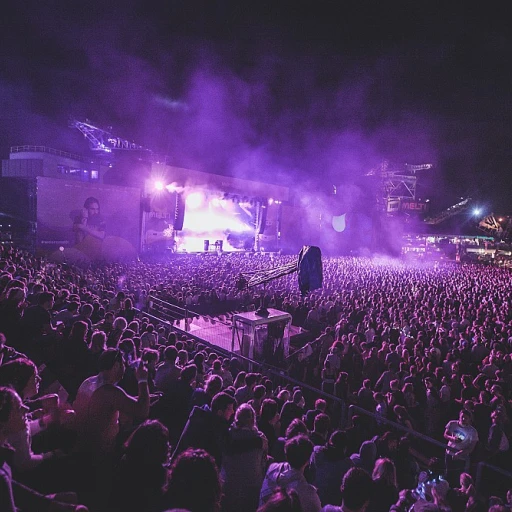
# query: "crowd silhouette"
[[104, 408]]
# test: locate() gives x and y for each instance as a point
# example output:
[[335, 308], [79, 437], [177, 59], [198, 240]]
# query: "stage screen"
[[87, 222], [214, 217]]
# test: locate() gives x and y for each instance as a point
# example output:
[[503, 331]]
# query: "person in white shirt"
[[462, 438]]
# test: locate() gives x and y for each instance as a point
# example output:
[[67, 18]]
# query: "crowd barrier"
[[428, 452]]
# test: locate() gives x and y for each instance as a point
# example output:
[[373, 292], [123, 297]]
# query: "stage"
[[218, 332]]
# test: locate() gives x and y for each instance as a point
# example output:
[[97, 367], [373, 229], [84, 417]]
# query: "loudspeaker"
[[179, 212], [206, 245], [310, 270], [262, 220]]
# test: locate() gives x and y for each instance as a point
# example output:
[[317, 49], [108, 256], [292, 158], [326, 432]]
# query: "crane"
[[459, 207], [103, 140]]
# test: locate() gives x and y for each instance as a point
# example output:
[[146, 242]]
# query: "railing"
[[207, 318], [50, 151], [167, 312], [492, 480], [489, 479]]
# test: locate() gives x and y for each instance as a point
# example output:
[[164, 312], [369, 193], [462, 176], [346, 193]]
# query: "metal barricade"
[[428, 452], [167, 313], [491, 480]]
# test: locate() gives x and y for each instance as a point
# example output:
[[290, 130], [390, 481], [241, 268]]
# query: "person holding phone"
[[462, 438], [89, 228]]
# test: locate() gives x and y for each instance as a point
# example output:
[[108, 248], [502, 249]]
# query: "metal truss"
[[449, 212], [397, 181], [500, 229], [102, 140]]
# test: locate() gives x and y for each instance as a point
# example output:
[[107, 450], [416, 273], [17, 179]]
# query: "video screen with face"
[[87, 222]]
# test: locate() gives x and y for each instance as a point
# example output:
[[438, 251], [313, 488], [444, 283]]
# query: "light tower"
[[398, 182]]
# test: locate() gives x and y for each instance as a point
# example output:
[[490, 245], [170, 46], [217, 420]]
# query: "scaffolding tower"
[[398, 182]]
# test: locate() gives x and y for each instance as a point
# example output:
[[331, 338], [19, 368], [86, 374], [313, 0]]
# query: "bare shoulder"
[[108, 391]]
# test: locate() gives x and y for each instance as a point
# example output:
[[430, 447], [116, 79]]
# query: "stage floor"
[[217, 332]]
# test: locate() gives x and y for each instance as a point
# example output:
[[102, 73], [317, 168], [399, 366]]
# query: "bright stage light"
[[195, 200], [174, 187], [270, 201], [477, 211], [159, 185]]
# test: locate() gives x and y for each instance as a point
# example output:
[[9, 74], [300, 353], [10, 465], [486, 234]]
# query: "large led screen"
[[87, 222], [214, 217]]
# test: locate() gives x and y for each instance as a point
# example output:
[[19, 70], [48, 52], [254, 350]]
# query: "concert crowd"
[[104, 408]]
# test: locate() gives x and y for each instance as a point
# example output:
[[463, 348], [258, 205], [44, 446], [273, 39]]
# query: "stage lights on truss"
[[158, 184], [246, 201], [195, 197]]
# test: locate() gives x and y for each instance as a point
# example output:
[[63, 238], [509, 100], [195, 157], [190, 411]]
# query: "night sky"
[[295, 93]]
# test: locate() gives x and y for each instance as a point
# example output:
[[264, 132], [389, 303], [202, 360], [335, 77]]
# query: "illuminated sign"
[[414, 206]]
